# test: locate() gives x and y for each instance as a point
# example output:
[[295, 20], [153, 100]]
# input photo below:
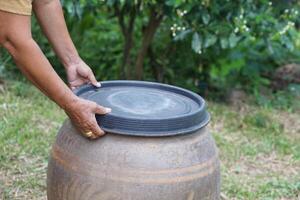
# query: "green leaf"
[[285, 40], [224, 42], [196, 42], [122, 2], [206, 18], [182, 35], [270, 47], [233, 40], [210, 40], [174, 3], [111, 2]]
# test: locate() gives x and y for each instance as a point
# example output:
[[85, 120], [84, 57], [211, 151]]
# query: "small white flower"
[[270, 3], [291, 24], [296, 12], [286, 10], [236, 30], [245, 21]]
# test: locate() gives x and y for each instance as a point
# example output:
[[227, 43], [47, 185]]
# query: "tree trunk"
[[125, 73], [157, 68], [127, 31], [154, 22]]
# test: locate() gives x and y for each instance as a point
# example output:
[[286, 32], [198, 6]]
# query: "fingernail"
[[108, 110], [98, 84]]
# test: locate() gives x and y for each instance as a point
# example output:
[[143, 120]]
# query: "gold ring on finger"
[[89, 134]]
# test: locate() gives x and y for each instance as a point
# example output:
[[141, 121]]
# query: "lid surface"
[[146, 109]]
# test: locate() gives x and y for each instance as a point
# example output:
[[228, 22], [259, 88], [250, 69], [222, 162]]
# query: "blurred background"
[[243, 56], [216, 48]]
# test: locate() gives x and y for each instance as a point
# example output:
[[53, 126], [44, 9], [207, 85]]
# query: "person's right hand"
[[82, 114]]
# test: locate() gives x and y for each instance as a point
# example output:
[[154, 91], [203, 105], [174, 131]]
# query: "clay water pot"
[[157, 147]]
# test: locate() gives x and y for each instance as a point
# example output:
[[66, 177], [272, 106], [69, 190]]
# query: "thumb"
[[93, 80], [102, 110]]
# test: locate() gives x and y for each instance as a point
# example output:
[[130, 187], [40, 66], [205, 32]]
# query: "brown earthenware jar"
[[173, 162]]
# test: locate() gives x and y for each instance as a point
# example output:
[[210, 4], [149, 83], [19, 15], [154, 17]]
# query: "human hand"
[[80, 73], [82, 114]]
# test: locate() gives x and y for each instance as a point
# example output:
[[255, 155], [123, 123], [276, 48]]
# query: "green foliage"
[[288, 99], [200, 45], [240, 41], [196, 43]]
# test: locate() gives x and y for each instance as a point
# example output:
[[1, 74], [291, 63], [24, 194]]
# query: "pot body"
[[119, 167]]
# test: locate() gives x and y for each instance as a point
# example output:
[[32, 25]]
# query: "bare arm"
[[50, 16], [15, 36]]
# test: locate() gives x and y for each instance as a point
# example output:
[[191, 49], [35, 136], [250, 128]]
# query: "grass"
[[260, 152], [259, 146]]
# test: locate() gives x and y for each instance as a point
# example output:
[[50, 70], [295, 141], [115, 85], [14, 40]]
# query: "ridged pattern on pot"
[[118, 167]]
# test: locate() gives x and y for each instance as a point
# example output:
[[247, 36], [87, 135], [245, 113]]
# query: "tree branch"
[[153, 24], [120, 15]]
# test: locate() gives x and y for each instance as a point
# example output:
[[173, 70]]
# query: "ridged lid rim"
[[151, 127]]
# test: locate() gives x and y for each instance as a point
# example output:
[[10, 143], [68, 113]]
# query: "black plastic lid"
[[147, 109]]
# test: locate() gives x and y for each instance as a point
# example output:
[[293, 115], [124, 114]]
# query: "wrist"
[[68, 101], [70, 60]]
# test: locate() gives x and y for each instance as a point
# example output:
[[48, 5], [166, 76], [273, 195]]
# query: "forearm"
[[50, 16], [15, 36], [36, 68]]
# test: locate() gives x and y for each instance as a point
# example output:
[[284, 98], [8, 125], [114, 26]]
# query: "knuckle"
[[94, 105], [85, 125], [100, 108]]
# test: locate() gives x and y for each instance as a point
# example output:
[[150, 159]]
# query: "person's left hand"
[[80, 73]]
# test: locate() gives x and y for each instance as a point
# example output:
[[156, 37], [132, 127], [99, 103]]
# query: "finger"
[[78, 128], [97, 131], [93, 137], [102, 110], [88, 132], [77, 83], [85, 129], [84, 132], [93, 80]]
